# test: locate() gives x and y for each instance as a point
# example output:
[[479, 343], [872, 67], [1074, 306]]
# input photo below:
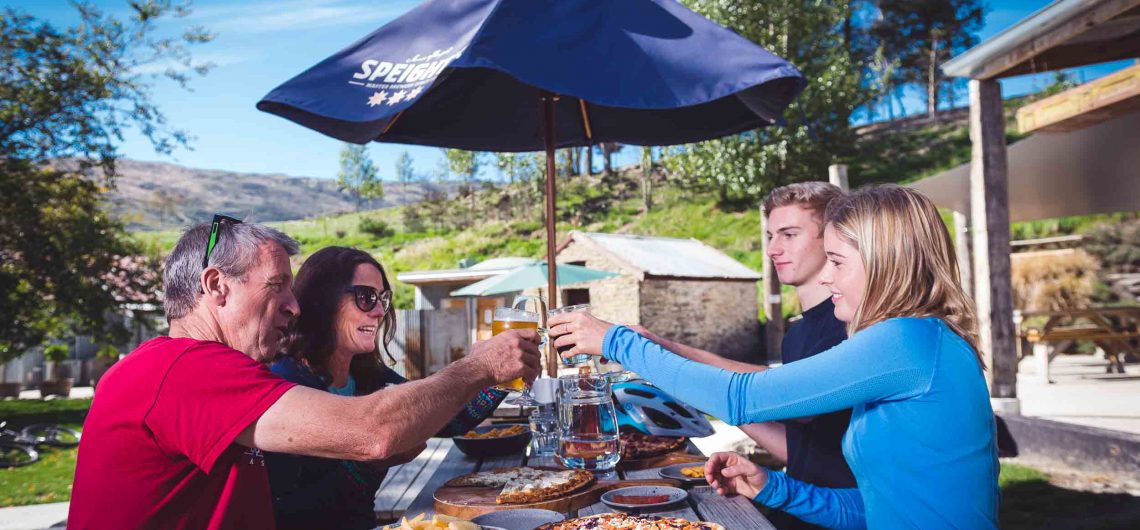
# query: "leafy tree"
[[920, 35], [67, 95], [821, 40], [405, 173], [465, 165], [358, 175]]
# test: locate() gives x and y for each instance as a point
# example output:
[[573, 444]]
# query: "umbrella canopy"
[[467, 74], [531, 277], [524, 75]]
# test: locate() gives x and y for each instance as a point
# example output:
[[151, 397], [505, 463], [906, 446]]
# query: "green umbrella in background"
[[531, 277]]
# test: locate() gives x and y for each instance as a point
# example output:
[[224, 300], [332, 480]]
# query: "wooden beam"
[[989, 203], [1084, 105], [962, 249], [771, 301], [1026, 57]]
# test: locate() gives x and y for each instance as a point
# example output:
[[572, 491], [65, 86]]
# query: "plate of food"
[[437, 522], [637, 446], [513, 485], [624, 520], [494, 440], [640, 497], [686, 472], [520, 519]]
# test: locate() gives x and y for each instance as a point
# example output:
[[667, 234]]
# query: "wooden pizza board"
[[466, 502], [679, 456]]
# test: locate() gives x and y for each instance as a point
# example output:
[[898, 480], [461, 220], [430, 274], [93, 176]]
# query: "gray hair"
[[235, 252]]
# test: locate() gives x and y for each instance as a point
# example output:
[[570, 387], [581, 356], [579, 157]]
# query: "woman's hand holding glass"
[[732, 474], [581, 330]]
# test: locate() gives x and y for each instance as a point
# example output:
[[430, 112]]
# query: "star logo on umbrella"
[[414, 93], [397, 97], [377, 98]]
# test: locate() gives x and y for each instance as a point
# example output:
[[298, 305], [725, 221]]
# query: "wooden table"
[[408, 488], [1113, 329]]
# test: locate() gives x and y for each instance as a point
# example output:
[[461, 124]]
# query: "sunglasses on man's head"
[[215, 227], [367, 297]]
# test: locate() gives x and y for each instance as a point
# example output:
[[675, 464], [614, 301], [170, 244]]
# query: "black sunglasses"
[[215, 226], [367, 297]]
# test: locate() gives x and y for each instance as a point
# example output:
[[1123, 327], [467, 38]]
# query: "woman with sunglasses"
[[334, 345]]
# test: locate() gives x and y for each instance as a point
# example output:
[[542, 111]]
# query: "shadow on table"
[[1039, 504]]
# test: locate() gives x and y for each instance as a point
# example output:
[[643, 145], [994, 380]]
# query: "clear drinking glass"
[[544, 433], [587, 423], [581, 358]]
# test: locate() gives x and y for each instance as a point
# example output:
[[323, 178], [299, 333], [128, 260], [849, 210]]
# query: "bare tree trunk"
[[589, 160], [647, 178], [932, 80]]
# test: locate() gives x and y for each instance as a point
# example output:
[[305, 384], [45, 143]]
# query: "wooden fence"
[[428, 340]]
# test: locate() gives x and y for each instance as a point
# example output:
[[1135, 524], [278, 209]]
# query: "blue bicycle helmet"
[[647, 409]]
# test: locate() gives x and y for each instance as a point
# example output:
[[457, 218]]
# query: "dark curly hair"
[[319, 288]]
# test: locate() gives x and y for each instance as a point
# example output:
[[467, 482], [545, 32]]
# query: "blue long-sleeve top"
[[921, 442]]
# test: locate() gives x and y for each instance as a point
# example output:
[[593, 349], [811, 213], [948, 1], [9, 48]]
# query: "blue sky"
[[261, 43]]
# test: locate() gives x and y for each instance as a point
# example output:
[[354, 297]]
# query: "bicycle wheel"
[[16, 455], [44, 433]]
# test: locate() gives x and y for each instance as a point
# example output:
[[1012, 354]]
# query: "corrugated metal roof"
[[663, 256]]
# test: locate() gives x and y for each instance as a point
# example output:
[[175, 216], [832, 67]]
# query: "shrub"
[[375, 227], [57, 352], [1053, 280], [340, 234], [1116, 245]]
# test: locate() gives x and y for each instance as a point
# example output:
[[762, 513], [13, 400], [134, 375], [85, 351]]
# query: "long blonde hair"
[[909, 259]]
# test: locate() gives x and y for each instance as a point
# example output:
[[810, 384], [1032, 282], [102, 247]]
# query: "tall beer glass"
[[511, 318]]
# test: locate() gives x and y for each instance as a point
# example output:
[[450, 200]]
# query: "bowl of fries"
[[436, 522], [494, 440]]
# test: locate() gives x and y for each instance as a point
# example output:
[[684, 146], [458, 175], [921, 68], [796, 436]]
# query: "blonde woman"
[[921, 440]]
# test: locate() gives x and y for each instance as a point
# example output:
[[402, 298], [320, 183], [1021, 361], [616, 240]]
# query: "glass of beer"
[[581, 357], [518, 318]]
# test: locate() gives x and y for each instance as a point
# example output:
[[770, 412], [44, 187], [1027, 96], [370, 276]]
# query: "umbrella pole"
[[551, 267]]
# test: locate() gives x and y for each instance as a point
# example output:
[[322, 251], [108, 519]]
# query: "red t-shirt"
[[158, 446]]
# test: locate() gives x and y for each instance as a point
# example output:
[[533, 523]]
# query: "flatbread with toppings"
[[622, 521], [524, 485], [635, 445]]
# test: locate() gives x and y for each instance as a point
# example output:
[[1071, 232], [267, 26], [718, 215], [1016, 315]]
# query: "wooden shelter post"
[[989, 204], [772, 303], [837, 174], [962, 250]]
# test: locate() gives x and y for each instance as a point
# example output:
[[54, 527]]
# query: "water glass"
[[544, 433], [581, 358]]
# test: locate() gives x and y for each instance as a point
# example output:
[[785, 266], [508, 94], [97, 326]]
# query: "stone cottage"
[[681, 289]]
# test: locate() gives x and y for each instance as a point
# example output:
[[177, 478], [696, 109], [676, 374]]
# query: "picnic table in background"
[[1112, 329], [408, 489]]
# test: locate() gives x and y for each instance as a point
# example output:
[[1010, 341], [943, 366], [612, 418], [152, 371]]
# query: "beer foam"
[[508, 314]]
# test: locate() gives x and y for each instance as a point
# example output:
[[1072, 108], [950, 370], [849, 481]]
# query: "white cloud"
[[217, 59], [263, 17]]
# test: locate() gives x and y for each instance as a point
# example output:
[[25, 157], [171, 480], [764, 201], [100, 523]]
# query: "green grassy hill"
[[900, 151]]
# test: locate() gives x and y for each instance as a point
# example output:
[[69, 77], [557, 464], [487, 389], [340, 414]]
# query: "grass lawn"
[[48, 480]]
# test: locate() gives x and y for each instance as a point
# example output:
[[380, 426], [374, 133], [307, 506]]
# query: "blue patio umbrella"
[[525, 75]]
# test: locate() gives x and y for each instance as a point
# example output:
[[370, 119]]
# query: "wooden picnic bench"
[[408, 489], [1112, 329]]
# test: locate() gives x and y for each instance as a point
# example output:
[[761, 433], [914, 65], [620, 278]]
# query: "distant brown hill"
[[159, 195]]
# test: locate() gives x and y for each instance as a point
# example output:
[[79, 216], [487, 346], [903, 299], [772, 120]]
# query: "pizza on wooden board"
[[635, 445], [524, 485], [623, 521]]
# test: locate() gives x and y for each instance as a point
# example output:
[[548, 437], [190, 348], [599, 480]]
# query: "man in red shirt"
[[175, 433]]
